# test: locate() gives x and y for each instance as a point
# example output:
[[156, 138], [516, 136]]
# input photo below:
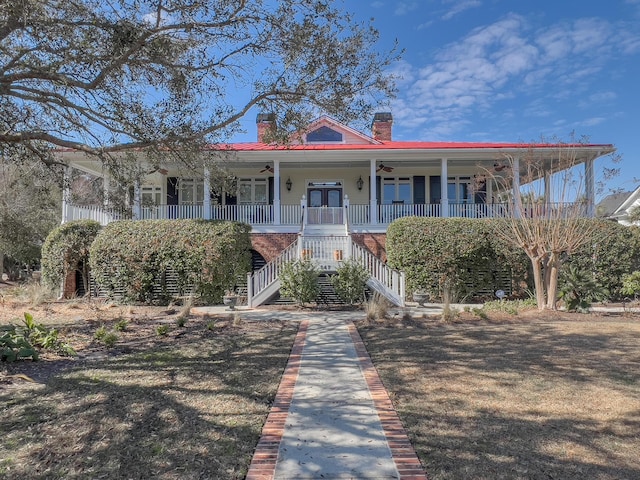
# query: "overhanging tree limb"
[[151, 73]]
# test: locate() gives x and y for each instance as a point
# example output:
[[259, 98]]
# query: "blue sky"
[[515, 70]]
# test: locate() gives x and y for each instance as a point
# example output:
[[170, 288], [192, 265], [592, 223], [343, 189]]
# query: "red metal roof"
[[393, 145]]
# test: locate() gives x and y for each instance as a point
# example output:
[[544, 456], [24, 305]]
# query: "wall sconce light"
[[360, 183], [288, 183]]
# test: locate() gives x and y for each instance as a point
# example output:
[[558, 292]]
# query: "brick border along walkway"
[[404, 456], [263, 464]]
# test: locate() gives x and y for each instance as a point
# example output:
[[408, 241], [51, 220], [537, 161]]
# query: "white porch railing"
[[291, 214], [325, 215], [325, 251], [102, 215], [384, 279], [252, 214], [263, 283], [166, 212], [357, 215]]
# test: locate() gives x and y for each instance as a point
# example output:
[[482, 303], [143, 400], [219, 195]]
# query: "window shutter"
[[435, 189], [419, 197]]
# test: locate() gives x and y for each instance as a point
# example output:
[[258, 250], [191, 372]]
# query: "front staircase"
[[325, 240], [327, 253]]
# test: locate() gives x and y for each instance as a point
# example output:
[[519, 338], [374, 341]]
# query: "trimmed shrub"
[[206, 258], [613, 252], [452, 256], [350, 282], [66, 249], [299, 281]]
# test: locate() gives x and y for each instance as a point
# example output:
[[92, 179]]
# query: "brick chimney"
[[381, 126], [264, 121]]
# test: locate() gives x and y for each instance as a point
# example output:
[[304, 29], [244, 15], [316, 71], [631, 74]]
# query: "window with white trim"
[[396, 190], [191, 191], [459, 189], [151, 195], [253, 191]]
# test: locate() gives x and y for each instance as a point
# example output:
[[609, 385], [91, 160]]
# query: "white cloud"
[[510, 59], [459, 6], [377, 4], [590, 122], [603, 97], [402, 8]]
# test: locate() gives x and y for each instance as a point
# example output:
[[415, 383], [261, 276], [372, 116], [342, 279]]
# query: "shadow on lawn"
[[516, 400], [190, 410]]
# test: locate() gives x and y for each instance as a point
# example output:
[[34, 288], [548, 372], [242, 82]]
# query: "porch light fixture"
[[360, 183], [288, 183]]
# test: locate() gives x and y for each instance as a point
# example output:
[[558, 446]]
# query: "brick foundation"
[[270, 245], [374, 242]]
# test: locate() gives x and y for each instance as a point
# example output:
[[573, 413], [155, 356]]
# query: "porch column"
[[106, 188], [373, 197], [547, 189], [517, 200], [345, 212], [444, 188], [590, 188], [276, 192], [206, 201], [137, 201], [303, 206], [66, 195]]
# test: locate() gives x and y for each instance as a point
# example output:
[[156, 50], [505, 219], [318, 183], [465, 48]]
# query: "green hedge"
[[613, 252], [66, 249], [468, 255], [462, 254], [207, 257]]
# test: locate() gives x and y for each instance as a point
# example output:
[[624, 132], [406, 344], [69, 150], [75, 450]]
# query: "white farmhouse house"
[[333, 194]]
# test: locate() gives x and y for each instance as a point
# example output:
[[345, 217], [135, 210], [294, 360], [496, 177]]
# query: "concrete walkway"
[[332, 418]]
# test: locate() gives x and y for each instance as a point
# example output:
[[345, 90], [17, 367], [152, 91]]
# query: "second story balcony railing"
[[358, 214]]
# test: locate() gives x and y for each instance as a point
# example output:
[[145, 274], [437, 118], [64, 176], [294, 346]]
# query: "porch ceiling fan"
[[384, 168], [499, 167], [267, 168], [161, 171]]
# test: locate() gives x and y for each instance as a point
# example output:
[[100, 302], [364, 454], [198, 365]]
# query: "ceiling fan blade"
[[267, 168]]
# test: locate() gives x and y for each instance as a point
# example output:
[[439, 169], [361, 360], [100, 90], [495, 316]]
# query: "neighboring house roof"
[[610, 204], [622, 212]]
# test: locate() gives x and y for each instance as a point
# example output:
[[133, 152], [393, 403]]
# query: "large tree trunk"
[[538, 282], [553, 267]]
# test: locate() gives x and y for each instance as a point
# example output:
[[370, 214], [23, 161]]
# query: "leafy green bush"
[[453, 257], [350, 282], [579, 288], [613, 252], [18, 343], [106, 337], [299, 281], [206, 258], [14, 345], [66, 249], [631, 284], [162, 330]]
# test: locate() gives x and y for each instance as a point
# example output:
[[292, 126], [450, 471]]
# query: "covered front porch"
[[338, 188]]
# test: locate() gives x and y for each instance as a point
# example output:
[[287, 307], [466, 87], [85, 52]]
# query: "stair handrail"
[[390, 279], [260, 279]]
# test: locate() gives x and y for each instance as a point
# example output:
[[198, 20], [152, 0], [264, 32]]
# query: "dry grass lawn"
[[527, 398], [189, 404]]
